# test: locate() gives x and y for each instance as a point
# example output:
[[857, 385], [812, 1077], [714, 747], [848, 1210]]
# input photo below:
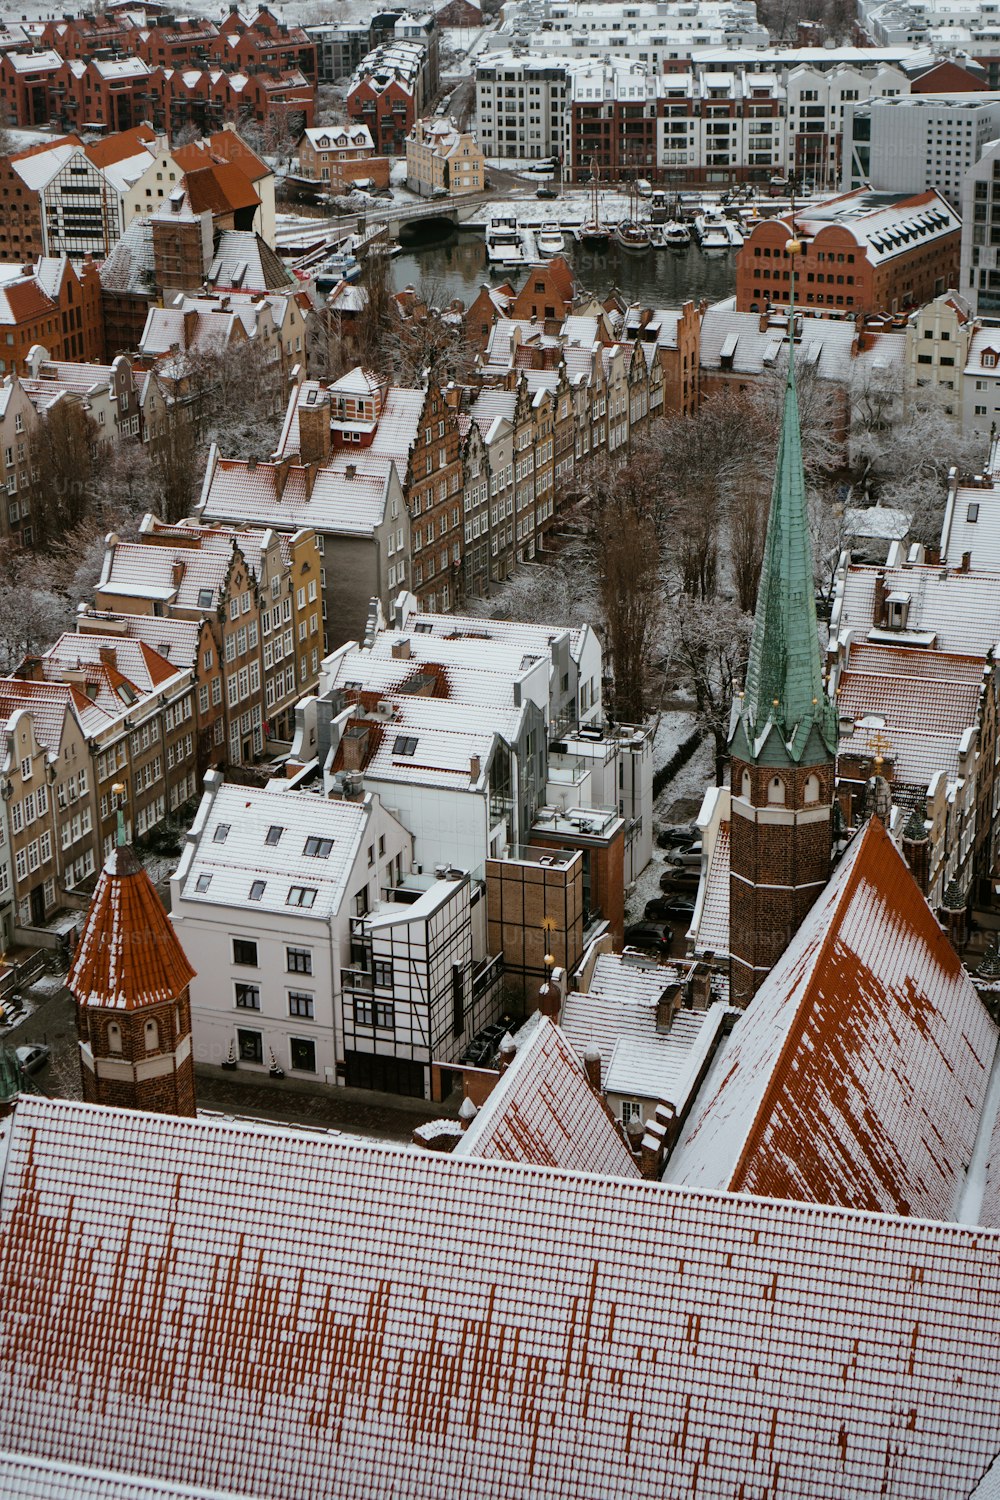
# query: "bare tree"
[[32, 614], [624, 501], [708, 650], [749, 505], [61, 454]]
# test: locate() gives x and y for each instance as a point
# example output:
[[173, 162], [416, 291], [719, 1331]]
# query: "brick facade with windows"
[[434, 491]]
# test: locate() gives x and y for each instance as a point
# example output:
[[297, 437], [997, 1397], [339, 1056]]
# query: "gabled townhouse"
[[48, 785], [492, 411], [674, 335], [339, 155], [181, 578], [477, 483], [354, 504], [108, 393], [418, 430], [251, 42], [187, 644], [18, 422]]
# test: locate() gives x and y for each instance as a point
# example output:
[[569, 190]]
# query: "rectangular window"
[[300, 1004], [303, 1054], [251, 1046], [317, 848], [257, 889], [247, 996], [298, 960], [245, 952], [300, 895], [382, 974]]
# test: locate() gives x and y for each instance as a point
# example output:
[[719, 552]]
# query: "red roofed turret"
[[130, 979]]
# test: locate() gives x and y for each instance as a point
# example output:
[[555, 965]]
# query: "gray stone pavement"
[[355, 1111]]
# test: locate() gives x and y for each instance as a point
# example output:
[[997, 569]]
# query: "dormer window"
[[989, 359], [897, 608]]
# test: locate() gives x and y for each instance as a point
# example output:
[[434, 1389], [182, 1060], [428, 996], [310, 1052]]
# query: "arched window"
[[152, 1036], [775, 789], [114, 1037], [745, 786], [811, 792]]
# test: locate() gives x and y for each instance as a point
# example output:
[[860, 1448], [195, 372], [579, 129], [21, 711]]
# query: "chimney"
[[453, 396], [281, 476], [651, 1150], [635, 1130], [354, 746], [699, 987], [592, 1066], [315, 438], [190, 325], [667, 1007], [401, 649], [507, 1053], [878, 609], [966, 562], [475, 766], [467, 1112], [176, 572], [108, 654], [550, 994], [764, 321], [309, 478], [351, 471]]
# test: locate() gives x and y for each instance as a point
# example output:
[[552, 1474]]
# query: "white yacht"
[[504, 243], [549, 240]]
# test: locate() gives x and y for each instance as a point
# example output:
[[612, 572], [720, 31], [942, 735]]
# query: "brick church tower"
[[130, 980], [784, 737]]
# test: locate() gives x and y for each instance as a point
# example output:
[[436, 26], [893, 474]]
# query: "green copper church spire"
[[784, 698]]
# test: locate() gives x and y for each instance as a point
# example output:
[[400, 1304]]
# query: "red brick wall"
[[168, 1093], [777, 871]]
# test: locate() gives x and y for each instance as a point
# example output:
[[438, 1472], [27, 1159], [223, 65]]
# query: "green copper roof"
[[784, 687]]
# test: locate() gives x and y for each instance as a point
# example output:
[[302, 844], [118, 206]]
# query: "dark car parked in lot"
[[677, 833], [679, 878], [679, 909], [649, 935]]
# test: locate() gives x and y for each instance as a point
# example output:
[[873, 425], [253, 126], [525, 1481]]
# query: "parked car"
[[679, 878], [546, 192], [649, 935], [663, 908], [32, 1059], [676, 833], [686, 854]]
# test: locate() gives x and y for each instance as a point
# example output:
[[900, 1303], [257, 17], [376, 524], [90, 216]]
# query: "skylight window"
[[404, 744], [318, 848], [273, 835], [221, 833], [300, 895], [126, 693], [204, 598], [203, 882], [257, 889], [972, 514]]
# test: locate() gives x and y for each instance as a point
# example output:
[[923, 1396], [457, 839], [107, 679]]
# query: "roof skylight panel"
[[318, 848], [221, 833], [273, 835], [257, 889], [203, 882]]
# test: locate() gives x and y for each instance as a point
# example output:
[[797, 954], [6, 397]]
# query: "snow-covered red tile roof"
[[293, 1315], [858, 1073], [923, 704], [543, 1110], [129, 955]]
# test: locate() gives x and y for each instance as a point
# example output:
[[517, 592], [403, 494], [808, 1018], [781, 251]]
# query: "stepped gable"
[[290, 1314], [858, 1074], [128, 955], [544, 1111]]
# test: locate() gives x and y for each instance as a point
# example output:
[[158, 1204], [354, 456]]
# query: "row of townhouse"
[[390, 90], [242, 39], [706, 123], [259, 592], [41, 88], [444, 491], [96, 723], [359, 946]]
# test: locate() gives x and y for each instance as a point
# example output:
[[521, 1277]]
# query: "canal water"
[[457, 267]]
